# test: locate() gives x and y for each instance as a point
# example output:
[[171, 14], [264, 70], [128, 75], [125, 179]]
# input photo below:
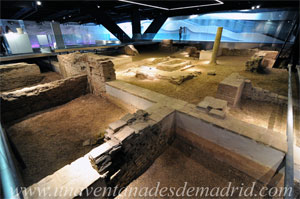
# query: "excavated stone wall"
[[134, 142], [259, 94], [18, 75], [19, 103], [236, 87], [72, 64], [99, 70], [238, 52]]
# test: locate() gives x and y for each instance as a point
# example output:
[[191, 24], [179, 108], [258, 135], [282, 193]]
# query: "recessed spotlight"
[[253, 7], [64, 17], [98, 6], [258, 6], [38, 3], [70, 16]]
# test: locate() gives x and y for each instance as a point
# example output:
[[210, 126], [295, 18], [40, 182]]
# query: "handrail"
[[8, 173], [289, 160]]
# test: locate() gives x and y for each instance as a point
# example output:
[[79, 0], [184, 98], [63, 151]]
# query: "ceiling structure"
[[122, 10]]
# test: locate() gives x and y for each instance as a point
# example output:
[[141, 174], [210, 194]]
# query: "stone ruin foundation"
[[19, 75], [235, 87]]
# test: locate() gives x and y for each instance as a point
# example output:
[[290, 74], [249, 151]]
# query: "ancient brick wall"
[[99, 71], [134, 142], [98, 68], [19, 103], [72, 64], [259, 94]]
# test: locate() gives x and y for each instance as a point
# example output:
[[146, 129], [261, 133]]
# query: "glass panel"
[[263, 26]]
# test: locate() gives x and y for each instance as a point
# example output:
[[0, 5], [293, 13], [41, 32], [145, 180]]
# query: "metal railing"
[[289, 160], [10, 183]]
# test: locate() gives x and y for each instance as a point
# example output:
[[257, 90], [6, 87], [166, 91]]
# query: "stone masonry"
[[133, 143], [99, 71], [18, 75], [98, 68], [236, 87], [231, 88], [72, 64], [264, 95], [214, 107], [19, 103]]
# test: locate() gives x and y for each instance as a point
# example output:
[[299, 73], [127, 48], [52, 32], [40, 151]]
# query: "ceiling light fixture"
[[38, 3], [168, 9], [253, 7], [258, 6], [98, 6]]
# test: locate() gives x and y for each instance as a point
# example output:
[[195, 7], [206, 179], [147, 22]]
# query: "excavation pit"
[[53, 138]]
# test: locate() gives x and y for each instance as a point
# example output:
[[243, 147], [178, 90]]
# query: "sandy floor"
[[50, 76], [196, 89], [53, 138], [198, 169]]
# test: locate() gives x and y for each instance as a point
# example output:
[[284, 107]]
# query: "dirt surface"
[[50, 77], [174, 168], [193, 91], [53, 138]]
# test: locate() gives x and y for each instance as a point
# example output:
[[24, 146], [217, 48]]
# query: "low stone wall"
[[236, 87], [17, 104], [18, 75], [138, 140], [238, 52], [263, 95]]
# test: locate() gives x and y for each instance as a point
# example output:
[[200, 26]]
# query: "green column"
[[213, 59]]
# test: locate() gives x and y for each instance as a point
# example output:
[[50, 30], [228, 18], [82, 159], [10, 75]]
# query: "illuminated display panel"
[[263, 26]]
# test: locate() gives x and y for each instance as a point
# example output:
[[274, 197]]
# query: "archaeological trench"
[[141, 117]]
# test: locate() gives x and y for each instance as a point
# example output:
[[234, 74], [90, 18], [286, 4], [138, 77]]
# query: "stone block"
[[218, 104], [124, 134], [203, 105], [117, 125], [217, 113], [230, 89]]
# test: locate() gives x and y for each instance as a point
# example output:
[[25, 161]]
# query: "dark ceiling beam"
[[22, 12], [136, 24], [102, 18], [154, 27]]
